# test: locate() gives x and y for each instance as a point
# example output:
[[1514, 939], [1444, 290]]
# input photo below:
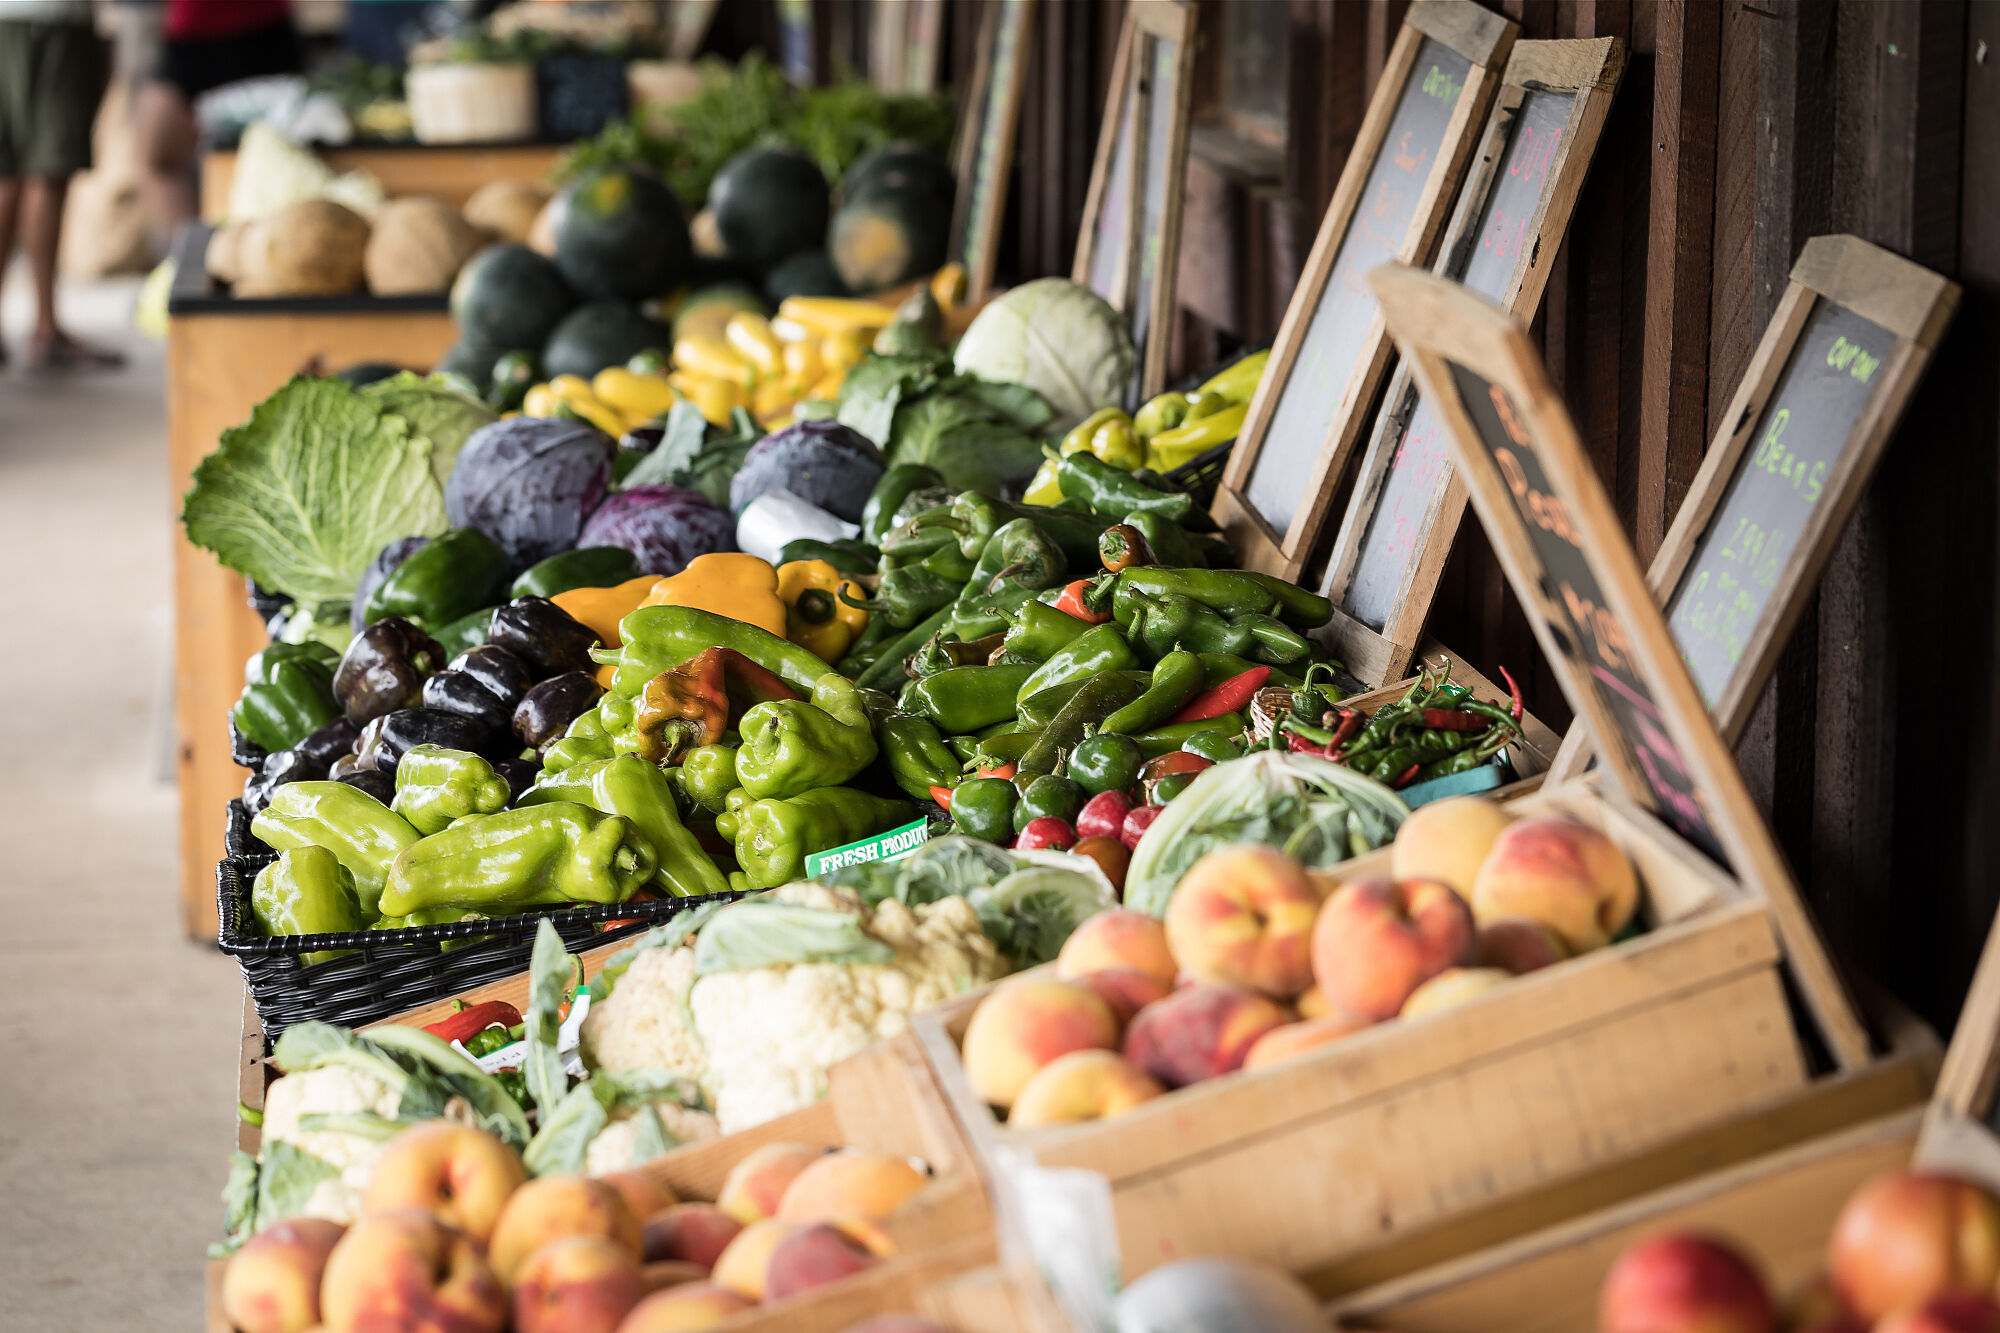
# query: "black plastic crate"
[[390, 971]]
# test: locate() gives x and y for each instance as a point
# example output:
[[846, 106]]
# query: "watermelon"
[[620, 234], [904, 167], [888, 232], [708, 309], [509, 296], [808, 273], [600, 334], [769, 204]]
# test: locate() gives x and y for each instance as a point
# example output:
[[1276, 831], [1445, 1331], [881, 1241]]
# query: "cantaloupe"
[[310, 248], [508, 209], [417, 245]]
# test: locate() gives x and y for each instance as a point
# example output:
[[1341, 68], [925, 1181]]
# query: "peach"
[[407, 1270], [1566, 875], [1126, 989], [460, 1175], [1516, 944], [1905, 1237], [1447, 840], [1377, 940], [1684, 1284], [1199, 1032], [578, 1284], [642, 1194], [1243, 916], [272, 1283], [869, 1234], [813, 1257], [1083, 1085], [1119, 937], [553, 1206], [1295, 1039], [895, 1323], [1024, 1024], [746, 1261], [1314, 1004], [850, 1183], [753, 1187], [1946, 1314], [1453, 987], [663, 1273], [695, 1232], [685, 1309]]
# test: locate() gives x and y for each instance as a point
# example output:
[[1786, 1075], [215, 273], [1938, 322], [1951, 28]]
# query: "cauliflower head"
[[642, 1024], [614, 1148], [331, 1090]]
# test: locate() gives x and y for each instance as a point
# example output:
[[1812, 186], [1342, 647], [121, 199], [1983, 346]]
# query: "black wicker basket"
[[389, 971]]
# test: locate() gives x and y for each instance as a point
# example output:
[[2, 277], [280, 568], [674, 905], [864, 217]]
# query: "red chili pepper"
[[1231, 696], [1071, 603], [1351, 721], [1455, 719], [1404, 780], [1513, 690], [1006, 770], [1172, 762], [942, 795], [472, 1020], [1298, 744]]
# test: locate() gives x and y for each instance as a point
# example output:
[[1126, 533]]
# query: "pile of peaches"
[[1912, 1252], [1259, 960], [453, 1235]]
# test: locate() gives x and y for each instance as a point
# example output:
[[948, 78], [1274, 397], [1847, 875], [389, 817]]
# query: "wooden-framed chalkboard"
[[1804, 433], [1332, 354], [1405, 507], [1557, 536], [984, 158], [1130, 242]]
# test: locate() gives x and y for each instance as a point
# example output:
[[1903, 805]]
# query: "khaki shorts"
[[51, 77]]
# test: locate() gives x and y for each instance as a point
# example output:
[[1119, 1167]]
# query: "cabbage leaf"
[[435, 410], [303, 495]]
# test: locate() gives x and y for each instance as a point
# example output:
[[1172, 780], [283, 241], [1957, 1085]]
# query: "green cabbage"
[[1058, 338], [442, 414]]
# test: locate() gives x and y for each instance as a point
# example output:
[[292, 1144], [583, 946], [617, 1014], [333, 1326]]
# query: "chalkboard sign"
[[1132, 214], [985, 156], [1796, 447], [1331, 353], [1557, 536], [1404, 511]]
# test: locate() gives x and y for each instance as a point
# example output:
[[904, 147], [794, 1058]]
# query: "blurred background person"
[[52, 73]]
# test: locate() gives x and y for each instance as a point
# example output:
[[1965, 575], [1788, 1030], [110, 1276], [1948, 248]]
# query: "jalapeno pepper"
[[1107, 490], [1098, 699], [1176, 680], [1096, 651], [916, 753], [966, 699], [1039, 630]]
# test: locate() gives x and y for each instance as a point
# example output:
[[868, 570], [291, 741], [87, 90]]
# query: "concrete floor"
[[118, 1038]]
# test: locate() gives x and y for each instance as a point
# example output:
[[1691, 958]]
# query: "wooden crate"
[[1466, 1122]]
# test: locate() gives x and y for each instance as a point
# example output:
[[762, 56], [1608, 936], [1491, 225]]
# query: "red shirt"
[[196, 20]]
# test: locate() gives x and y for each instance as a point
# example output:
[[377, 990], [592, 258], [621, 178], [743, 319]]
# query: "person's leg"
[[69, 84], [166, 133]]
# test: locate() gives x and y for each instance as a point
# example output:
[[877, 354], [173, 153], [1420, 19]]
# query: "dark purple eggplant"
[[384, 669], [548, 709], [544, 636], [520, 774], [328, 744], [457, 692], [410, 727], [379, 569], [504, 675], [373, 781]]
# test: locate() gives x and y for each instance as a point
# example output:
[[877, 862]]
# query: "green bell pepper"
[[362, 833], [1099, 649], [585, 567], [465, 633], [917, 755], [708, 775], [774, 836], [793, 745], [966, 699], [287, 694], [895, 486], [445, 578], [633, 789], [537, 855], [660, 638], [435, 786], [306, 891]]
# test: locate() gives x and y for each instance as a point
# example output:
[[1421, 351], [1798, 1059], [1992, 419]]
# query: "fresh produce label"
[[882, 847]]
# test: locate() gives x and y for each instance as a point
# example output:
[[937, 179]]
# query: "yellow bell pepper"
[[600, 609], [631, 395], [713, 357], [1236, 383], [741, 587], [815, 617], [749, 336], [1046, 488], [834, 314]]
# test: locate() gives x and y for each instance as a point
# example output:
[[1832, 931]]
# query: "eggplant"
[[328, 744], [545, 713], [457, 692], [520, 774], [308, 761], [384, 669], [408, 728], [544, 636], [504, 675], [376, 783]]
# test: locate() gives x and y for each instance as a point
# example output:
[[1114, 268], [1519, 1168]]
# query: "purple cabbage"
[[381, 567], [822, 462], [529, 483], [664, 526]]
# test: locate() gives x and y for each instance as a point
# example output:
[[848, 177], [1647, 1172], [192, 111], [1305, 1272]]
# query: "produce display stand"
[[448, 171], [224, 356]]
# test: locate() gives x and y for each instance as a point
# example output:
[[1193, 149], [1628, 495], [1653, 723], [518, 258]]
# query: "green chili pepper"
[[1176, 679], [894, 486], [792, 745], [888, 668], [1099, 649], [287, 694], [435, 786], [1215, 746], [1040, 631], [1109, 490], [306, 891], [1230, 591], [362, 833], [965, 699], [918, 758], [984, 808], [1102, 696], [1165, 740], [907, 595], [708, 775], [1040, 708], [442, 580], [635, 790], [531, 856], [867, 648], [843, 553], [976, 517], [775, 835], [585, 567], [1170, 542], [660, 638], [920, 536], [1008, 748], [1106, 762]]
